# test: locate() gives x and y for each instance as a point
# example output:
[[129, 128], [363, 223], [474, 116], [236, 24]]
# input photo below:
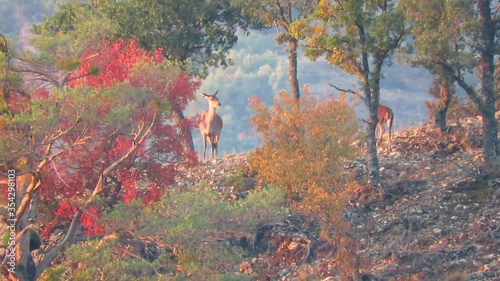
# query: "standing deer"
[[384, 115], [210, 124]]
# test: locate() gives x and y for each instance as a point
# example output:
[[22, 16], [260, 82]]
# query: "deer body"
[[210, 124], [384, 115]]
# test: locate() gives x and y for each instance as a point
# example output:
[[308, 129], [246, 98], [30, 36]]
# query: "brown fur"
[[384, 115], [210, 124]]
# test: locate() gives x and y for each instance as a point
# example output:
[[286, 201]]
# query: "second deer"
[[384, 115], [210, 124]]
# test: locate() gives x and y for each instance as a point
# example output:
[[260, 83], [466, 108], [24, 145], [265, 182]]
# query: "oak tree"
[[360, 37], [455, 39]]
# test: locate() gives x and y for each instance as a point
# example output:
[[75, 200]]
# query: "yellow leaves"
[[315, 33], [343, 58], [324, 10], [298, 28], [301, 143], [335, 56]]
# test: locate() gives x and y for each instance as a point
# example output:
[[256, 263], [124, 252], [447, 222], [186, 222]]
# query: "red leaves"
[[122, 145], [128, 179], [107, 108], [90, 221], [65, 211], [152, 195], [114, 62]]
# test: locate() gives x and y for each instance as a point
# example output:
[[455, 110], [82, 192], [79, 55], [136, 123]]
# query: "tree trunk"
[[292, 72], [371, 99], [490, 129], [25, 266], [187, 137], [490, 136], [441, 110], [371, 142]]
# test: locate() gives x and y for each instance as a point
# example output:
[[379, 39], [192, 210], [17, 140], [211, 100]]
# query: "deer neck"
[[211, 114]]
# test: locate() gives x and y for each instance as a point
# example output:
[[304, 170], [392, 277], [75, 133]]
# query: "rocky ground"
[[435, 217]]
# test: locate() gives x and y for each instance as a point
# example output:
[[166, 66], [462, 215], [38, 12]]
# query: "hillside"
[[436, 216]]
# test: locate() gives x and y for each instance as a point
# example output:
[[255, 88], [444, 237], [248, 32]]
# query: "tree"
[[76, 150], [457, 38], [443, 90], [282, 14], [195, 34], [360, 37]]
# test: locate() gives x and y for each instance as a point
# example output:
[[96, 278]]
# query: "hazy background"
[[260, 68]]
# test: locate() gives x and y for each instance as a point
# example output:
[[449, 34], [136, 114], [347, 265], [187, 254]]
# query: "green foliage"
[[347, 31], [95, 258], [5, 238], [68, 63], [240, 180], [197, 224], [439, 32], [53, 273], [196, 33], [202, 212]]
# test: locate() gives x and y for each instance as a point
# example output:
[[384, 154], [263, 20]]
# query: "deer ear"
[[203, 94], [216, 92]]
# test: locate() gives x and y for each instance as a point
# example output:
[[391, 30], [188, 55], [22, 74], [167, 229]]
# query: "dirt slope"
[[436, 216]]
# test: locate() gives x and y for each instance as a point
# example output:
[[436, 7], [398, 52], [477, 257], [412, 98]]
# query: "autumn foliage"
[[98, 118], [306, 146], [102, 138], [102, 113]]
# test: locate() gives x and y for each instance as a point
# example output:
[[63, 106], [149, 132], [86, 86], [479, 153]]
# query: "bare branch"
[[285, 24], [343, 90], [35, 183], [62, 133]]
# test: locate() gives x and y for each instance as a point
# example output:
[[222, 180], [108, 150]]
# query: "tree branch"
[[343, 90], [54, 252], [285, 24]]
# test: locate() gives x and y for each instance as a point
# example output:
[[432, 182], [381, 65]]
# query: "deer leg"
[[381, 132], [204, 137], [216, 144], [389, 125], [211, 141]]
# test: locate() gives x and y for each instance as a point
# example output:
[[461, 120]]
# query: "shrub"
[[188, 233], [240, 180], [305, 147]]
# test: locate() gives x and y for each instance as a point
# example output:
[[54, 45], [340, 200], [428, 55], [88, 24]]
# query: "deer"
[[384, 115], [210, 124]]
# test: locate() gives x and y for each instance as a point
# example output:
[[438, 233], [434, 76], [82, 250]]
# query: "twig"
[[343, 90]]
